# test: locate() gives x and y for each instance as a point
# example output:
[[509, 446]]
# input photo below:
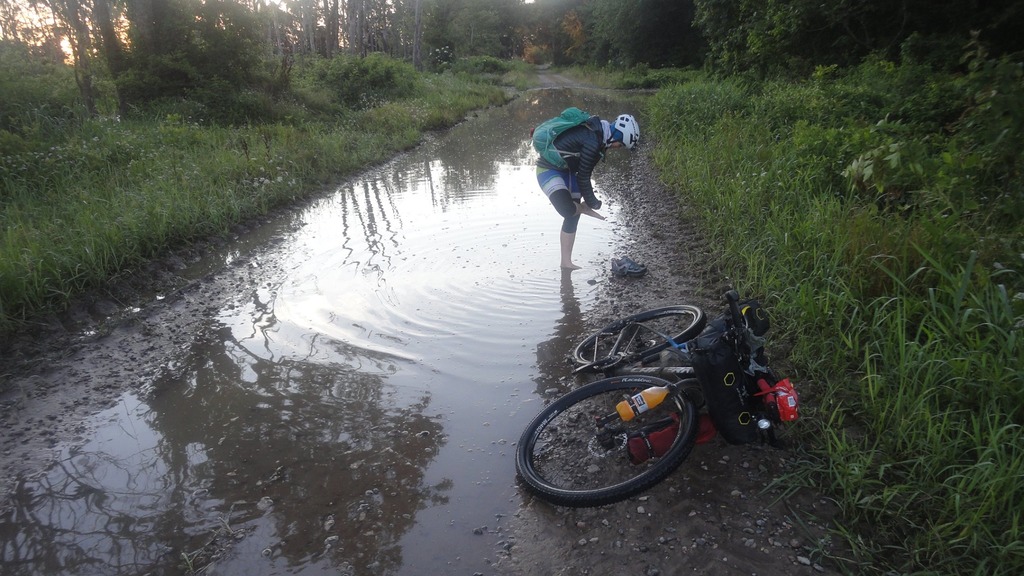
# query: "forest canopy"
[[154, 49]]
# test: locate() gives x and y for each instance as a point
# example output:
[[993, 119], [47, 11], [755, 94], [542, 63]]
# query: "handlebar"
[[738, 327], [733, 298]]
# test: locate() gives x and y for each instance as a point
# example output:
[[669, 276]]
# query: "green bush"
[[482, 65], [361, 83], [39, 98], [986, 165]]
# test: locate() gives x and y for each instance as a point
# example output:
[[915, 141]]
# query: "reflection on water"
[[324, 462], [552, 353], [353, 409]]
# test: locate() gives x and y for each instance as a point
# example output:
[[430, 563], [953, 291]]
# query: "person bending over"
[[570, 190]]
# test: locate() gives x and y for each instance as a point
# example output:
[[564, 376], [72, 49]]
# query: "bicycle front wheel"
[[567, 457], [639, 337]]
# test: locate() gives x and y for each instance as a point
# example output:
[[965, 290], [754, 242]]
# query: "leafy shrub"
[[990, 136], [39, 96], [361, 83], [482, 65], [441, 59]]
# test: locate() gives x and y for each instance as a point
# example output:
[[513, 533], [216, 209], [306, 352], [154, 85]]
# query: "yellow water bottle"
[[642, 402]]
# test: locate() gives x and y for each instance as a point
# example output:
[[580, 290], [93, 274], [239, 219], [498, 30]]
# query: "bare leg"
[[566, 240]]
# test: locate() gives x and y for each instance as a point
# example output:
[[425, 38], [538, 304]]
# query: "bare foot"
[[570, 266], [591, 212]]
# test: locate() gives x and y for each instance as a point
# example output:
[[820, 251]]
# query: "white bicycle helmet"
[[626, 130]]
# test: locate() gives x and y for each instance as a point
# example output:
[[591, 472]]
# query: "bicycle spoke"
[[572, 460], [638, 338]]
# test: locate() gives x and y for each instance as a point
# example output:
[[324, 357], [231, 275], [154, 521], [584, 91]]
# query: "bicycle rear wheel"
[[566, 458], [638, 338]]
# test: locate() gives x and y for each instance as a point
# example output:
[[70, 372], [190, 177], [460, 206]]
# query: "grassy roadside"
[[82, 200], [878, 212]]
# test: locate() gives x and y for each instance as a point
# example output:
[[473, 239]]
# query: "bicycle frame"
[[618, 436], [746, 346]]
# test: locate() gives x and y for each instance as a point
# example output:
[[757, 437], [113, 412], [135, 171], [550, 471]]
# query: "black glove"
[[593, 202]]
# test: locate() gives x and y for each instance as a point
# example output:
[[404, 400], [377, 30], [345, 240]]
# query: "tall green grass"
[[82, 200], [899, 287]]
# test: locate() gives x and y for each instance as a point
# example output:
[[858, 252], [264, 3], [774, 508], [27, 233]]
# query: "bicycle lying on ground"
[[639, 339], [614, 438]]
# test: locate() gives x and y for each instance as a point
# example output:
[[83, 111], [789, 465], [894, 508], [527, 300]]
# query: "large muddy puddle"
[[354, 408]]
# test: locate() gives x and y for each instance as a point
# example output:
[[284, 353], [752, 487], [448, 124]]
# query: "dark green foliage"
[[39, 97], [208, 52], [658, 33], [362, 82], [482, 65], [466, 28], [795, 36]]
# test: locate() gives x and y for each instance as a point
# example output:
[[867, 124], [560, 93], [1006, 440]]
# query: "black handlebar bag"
[[728, 390]]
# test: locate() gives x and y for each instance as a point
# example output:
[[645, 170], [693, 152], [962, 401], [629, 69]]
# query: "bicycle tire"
[[560, 459], [626, 341]]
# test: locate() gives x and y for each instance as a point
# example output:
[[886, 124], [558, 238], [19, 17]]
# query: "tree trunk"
[[333, 21], [307, 11], [112, 50], [141, 15], [417, 37], [71, 12], [356, 23]]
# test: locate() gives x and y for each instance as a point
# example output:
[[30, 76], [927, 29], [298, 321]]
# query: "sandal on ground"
[[626, 267]]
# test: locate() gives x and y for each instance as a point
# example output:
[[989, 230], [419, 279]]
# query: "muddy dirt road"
[[320, 393]]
